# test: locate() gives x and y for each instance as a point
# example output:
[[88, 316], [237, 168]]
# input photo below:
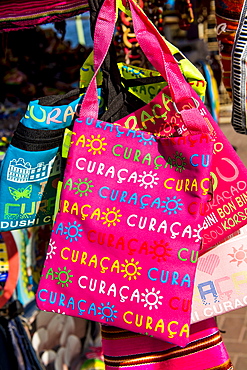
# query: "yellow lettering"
[[185, 329], [103, 268], [96, 213], [115, 265], [65, 206], [171, 333], [83, 258], [84, 215], [62, 255], [124, 317], [166, 181], [160, 325], [93, 260], [81, 140], [74, 208], [149, 322]]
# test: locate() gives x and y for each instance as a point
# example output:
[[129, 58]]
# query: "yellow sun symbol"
[[111, 217], [239, 255], [96, 144], [131, 269]]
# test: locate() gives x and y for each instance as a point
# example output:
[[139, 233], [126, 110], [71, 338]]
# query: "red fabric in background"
[[19, 14]]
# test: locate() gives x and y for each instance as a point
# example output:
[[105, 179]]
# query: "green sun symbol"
[[179, 162], [83, 187], [63, 276]]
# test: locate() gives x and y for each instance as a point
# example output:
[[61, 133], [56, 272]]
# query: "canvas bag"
[[226, 213], [31, 167], [96, 234]]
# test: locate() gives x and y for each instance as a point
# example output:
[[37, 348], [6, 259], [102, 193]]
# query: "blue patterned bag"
[[32, 164]]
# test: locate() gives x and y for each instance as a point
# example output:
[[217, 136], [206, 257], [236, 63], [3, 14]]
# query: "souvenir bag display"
[[225, 213], [116, 251]]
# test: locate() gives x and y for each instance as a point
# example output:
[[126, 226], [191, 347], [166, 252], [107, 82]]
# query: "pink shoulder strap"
[[152, 44]]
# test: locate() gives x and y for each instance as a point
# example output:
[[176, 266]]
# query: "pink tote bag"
[[116, 253]]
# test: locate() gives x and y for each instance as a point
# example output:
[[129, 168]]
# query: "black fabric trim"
[[178, 57], [51, 100], [33, 140]]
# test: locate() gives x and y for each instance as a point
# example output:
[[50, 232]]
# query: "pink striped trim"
[[19, 14]]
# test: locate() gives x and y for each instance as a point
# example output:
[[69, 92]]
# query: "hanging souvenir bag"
[[226, 213], [32, 164], [116, 255]]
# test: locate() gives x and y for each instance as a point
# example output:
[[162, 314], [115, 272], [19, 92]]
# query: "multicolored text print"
[[226, 212], [124, 246]]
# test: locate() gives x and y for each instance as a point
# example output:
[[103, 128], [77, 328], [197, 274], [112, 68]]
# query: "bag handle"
[[152, 44]]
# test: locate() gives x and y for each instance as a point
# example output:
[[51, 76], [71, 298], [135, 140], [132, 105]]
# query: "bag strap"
[[152, 44], [51, 100]]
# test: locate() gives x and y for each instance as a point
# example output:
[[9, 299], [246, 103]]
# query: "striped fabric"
[[20, 14], [227, 17], [239, 75], [126, 350]]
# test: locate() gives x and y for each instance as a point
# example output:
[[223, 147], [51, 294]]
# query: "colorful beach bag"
[[226, 212], [123, 244]]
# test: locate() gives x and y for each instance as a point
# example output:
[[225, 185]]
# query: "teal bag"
[[32, 165]]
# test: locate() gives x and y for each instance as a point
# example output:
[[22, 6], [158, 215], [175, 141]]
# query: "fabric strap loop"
[[152, 44]]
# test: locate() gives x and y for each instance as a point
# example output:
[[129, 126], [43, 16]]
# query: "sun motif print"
[[83, 187], [152, 299], [111, 217], [146, 140], [160, 251], [51, 250], [131, 269], [96, 144], [197, 232], [148, 179], [63, 277], [179, 162], [73, 231], [239, 255], [107, 312], [172, 205]]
